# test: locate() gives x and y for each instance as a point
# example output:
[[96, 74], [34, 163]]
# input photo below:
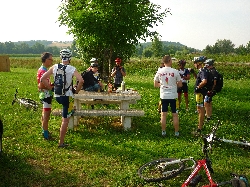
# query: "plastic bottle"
[[123, 86]]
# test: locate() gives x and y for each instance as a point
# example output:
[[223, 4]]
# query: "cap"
[[118, 60], [209, 62]]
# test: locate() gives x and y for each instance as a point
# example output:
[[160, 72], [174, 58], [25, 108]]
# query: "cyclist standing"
[[168, 79], [210, 87], [185, 76], [64, 97], [200, 90], [45, 95]]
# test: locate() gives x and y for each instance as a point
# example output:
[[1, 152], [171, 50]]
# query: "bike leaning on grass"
[[168, 168]]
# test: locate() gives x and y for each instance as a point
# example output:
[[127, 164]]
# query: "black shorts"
[[166, 102], [183, 89]]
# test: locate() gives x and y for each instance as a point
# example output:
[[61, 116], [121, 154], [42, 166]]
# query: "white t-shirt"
[[69, 75], [168, 78]]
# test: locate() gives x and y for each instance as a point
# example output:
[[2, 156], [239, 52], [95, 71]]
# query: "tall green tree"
[[157, 47], [225, 46], [110, 28]]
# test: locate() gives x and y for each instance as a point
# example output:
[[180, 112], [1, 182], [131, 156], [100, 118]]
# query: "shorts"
[[47, 103], [208, 97], [199, 99], [67, 103], [46, 99], [183, 89], [94, 88], [166, 102]]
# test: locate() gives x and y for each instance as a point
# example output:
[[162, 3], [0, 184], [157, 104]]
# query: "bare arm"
[[47, 76], [202, 84], [79, 79], [179, 84], [186, 77], [157, 84], [123, 73]]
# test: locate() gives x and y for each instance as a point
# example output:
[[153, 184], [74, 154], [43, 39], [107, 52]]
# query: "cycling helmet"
[[93, 65], [182, 62], [200, 59], [118, 60], [93, 60], [65, 54], [209, 62]]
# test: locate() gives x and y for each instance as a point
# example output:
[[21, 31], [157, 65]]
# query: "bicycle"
[[28, 103], [168, 168], [213, 135]]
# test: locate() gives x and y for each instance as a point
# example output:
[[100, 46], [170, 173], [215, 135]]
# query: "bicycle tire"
[[153, 171]]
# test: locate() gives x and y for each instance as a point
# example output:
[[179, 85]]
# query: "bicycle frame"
[[232, 141], [200, 164], [28, 103], [212, 136]]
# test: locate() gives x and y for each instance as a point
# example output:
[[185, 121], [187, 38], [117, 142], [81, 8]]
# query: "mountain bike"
[[168, 168], [213, 136], [28, 103]]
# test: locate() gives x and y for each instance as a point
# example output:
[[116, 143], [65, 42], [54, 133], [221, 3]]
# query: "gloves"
[[197, 90], [191, 70], [209, 93]]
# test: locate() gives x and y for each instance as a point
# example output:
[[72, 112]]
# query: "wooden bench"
[[91, 98], [108, 112]]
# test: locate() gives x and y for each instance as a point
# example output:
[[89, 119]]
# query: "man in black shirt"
[[90, 82]]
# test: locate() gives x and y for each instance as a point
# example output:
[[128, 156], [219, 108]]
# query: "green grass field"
[[101, 154]]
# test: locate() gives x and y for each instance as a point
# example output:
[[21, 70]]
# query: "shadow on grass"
[[15, 171]]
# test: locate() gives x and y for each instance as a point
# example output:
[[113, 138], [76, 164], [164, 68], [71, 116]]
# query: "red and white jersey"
[[40, 73], [168, 78]]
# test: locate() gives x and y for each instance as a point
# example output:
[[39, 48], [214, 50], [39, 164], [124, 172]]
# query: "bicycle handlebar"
[[208, 139]]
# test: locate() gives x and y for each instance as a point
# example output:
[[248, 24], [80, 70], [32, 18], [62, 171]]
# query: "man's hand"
[[197, 89], [191, 70]]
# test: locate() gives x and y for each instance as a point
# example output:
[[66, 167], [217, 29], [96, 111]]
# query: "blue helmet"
[[200, 59]]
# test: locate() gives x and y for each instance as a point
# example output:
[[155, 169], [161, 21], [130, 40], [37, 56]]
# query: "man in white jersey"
[[168, 80]]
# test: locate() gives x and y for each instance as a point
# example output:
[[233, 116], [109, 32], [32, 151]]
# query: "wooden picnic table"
[[123, 99]]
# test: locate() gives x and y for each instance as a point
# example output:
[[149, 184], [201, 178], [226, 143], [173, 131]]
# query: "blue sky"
[[194, 23]]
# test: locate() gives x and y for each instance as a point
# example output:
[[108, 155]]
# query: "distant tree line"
[[227, 47], [29, 47], [156, 48]]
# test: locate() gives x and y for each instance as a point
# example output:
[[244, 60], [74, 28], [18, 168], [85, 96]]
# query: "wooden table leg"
[[77, 106], [125, 120]]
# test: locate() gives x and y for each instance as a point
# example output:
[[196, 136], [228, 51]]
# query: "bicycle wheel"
[[161, 169]]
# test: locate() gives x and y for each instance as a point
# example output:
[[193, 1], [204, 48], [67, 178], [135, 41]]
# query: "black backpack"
[[219, 81], [60, 80]]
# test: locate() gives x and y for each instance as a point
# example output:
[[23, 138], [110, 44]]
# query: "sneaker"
[[163, 133], [63, 145], [208, 119], [177, 134], [49, 137]]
